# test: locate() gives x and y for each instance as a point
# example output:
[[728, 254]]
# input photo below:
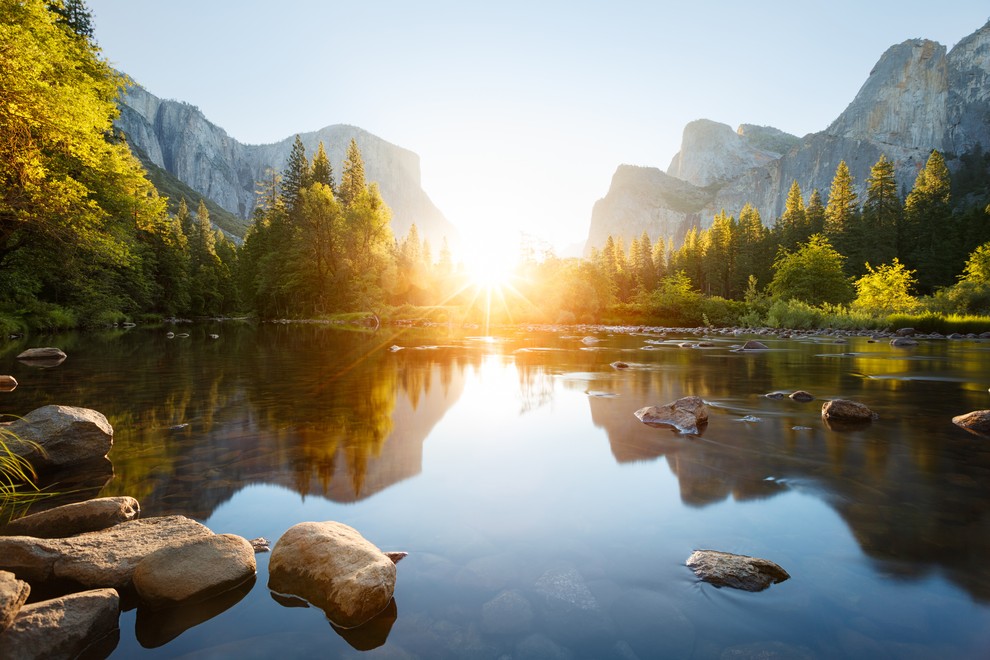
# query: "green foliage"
[[928, 240], [17, 476], [943, 323], [812, 274], [675, 302], [793, 314], [886, 290]]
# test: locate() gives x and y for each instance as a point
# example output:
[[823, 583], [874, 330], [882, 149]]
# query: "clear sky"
[[520, 111]]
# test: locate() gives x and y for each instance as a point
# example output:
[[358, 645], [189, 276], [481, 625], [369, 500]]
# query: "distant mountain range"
[[917, 98], [187, 154]]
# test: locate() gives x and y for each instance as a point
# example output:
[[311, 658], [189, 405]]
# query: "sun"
[[489, 271]]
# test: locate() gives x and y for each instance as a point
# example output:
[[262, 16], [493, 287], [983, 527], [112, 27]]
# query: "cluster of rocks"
[[100, 552]]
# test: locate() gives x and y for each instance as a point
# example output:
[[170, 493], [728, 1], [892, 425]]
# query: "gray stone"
[[335, 568], [46, 353], [844, 410], [802, 396], [193, 572], [7, 383], [64, 434], [905, 332], [687, 414], [903, 342], [13, 594], [753, 345], [72, 519], [97, 559], [65, 627], [724, 569], [507, 613], [977, 421]]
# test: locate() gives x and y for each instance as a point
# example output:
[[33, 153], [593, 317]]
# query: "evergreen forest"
[[86, 240]]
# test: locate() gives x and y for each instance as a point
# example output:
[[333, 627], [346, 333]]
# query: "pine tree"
[[352, 181], [295, 177], [881, 213], [842, 209], [718, 255], [75, 15], [322, 171], [929, 235], [660, 259], [754, 257], [814, 214], [792, 224]]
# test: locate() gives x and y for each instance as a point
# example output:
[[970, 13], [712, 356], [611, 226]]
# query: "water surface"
[[542, 519]]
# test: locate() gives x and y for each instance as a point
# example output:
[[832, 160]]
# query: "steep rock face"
[[916, 98], [712, 152], [178, 138], [646, 199]]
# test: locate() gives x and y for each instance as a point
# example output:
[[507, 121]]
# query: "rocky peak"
[[903, 101], [712, 153]]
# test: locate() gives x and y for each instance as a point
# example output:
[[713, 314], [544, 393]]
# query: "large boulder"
[[687, 414], [72, 519], [97, 559], [903, 342], [194, 572], [844, 410], [13, 595], [977, 421], [59, 436], [335, 568], [724, 569], [67, 627], [46, 353]]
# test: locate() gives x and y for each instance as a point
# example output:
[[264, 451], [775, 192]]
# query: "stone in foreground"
[[13, 595], [65, 434], [687, 414], [195, 571], [71, 519], [977, 421], [66, 627], [724, 569], [844, 410], [7, 383], [753, 345], [335, 568], [97, 559]]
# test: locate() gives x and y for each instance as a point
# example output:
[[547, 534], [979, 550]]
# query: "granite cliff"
[[178, 138], [918, 97]]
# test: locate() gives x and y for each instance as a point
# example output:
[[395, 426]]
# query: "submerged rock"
[[77, 625], [844, 410], [687, 414], [335, 568], [753, 345], [13, 595], [60, 436], [46, 353], [620, 365], [802, 396], [977, 421], [72, 519], [7, 383], [196, 571], [724, 569], [903, 342]]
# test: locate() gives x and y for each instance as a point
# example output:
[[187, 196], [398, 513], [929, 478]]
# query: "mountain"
[[917, 98], [177, 138]]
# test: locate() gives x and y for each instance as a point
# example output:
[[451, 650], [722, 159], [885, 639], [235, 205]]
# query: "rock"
[[977, 421], [260, 544], [904, 332], [954, 335], [724, 569], [48, 353], [72, 519], [97, 559], [687, 414], [753, 345], [589, 340], [66, 435], [8, 383], [903, 342], [335, 568], [13, 595], [396, 557], [195, 571], [66, 627], [508, 613], [775, 395], [843, 410], [620, 365], [802, 396]]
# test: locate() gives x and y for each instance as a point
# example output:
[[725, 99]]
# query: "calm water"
[[542, 520]]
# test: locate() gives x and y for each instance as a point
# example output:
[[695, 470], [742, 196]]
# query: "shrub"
[[793, 314]]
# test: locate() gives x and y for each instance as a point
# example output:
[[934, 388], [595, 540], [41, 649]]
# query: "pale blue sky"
[[520, 111]]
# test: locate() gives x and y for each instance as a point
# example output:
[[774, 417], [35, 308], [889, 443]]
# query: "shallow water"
[[542, 519]]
